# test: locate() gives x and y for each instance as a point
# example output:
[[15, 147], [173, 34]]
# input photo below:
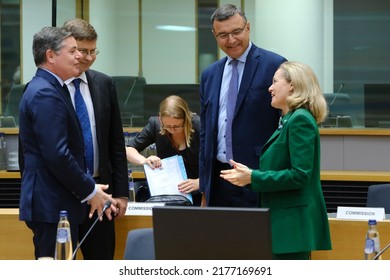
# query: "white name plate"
[[141, 208], [360, 213]]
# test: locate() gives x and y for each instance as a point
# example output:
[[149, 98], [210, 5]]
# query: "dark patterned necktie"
[[230, 107], [82, 114]]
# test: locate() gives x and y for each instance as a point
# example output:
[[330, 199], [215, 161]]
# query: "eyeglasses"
[[173, 127], [86, 52], [234, 33]]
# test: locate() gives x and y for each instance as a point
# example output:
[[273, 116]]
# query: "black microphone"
[[336, 94], [105, 207], [381, 252]]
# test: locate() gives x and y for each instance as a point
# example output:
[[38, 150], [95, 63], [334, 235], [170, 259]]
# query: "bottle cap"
[[63, 213], [372, 222]]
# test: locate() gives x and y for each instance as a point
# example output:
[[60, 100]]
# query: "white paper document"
[[165, 180]]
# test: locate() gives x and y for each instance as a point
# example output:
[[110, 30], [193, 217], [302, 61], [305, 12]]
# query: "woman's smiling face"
[[280, 90]]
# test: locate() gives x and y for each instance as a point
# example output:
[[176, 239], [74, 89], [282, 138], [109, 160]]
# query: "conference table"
[[347, 237]]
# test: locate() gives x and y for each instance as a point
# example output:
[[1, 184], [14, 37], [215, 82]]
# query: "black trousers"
[[225, 194], [100, 242]]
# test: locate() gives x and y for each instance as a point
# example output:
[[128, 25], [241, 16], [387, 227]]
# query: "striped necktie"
[[82, 114], [230, 107]]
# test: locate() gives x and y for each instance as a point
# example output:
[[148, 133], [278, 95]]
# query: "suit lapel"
[[68, 101], [94, 86], [63, 90], [215, 97], [251, 65], [273, 137], [94, 90], [282, 126]]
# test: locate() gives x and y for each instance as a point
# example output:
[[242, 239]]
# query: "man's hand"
[[99, 199], [121, 206]]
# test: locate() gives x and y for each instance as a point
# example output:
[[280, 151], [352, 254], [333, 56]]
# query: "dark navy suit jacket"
[[53, 175], [254, 119]]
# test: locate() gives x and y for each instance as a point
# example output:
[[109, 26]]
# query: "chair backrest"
[[15, 96], [141, 190], [379, 196], [140, 245]]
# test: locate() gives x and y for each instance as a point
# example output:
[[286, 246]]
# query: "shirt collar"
[[82, 76]]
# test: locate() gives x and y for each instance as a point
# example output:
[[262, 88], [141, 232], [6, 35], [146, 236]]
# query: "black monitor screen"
[[377, 105], [212, 233], [153, 94]]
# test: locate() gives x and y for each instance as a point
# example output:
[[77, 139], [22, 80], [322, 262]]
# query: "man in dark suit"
[[110, 166], [53, 168], [253, 121]]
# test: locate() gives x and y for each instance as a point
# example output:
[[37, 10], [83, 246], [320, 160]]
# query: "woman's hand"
[[189, 186], [239, 175], [153, 162]]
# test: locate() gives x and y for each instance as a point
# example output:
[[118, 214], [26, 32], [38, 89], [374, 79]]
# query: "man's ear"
[[50, 56]]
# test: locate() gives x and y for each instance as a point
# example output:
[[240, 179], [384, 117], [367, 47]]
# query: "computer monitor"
[[153, 94], [211, 233], [376, 105]]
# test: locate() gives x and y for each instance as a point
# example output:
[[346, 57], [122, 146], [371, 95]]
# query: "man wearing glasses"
[[107, 148], [236, 114]]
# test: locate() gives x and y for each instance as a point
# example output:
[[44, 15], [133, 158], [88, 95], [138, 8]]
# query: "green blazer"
[[288, 183]]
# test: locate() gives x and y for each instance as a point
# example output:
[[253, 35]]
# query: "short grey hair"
[[225, 12], [48, 38]]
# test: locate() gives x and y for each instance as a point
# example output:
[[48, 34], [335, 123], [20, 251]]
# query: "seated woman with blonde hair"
[[175, 132]]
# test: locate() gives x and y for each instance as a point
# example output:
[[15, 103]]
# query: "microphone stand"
[[381, 252], [331, 104], [128, 95], [106, 206], [336, 94], [124, 114]]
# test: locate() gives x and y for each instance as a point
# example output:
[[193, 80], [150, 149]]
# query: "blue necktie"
[[230, 107], [82, 114]]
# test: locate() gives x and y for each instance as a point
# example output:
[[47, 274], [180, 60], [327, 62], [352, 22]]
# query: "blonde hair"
[[176, 107], [307, 92]]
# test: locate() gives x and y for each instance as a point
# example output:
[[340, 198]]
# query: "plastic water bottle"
[[372, 244], [131, 186], [64, 248], [3, 147], [126, 135]]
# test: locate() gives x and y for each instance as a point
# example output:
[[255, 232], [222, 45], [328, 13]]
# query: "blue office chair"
[[141, 190], [379, 196], [140, 245]]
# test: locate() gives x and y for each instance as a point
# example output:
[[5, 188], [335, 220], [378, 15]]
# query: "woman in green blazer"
[[288, 178]]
